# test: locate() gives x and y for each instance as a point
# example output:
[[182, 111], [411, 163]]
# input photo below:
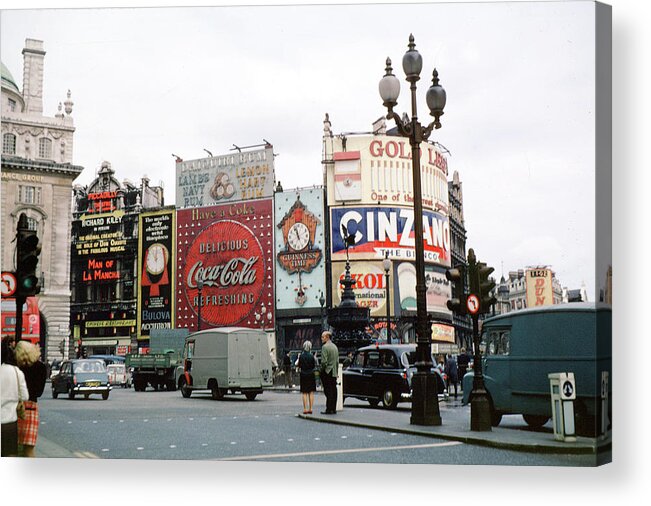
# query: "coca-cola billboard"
[[225, 265]]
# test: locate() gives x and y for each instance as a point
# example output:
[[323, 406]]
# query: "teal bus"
[[520, 348]]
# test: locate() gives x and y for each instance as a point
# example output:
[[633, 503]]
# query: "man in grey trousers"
[[329, 371]]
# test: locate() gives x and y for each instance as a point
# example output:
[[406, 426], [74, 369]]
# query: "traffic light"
[[27, 251], [486, 285], [457, 276]]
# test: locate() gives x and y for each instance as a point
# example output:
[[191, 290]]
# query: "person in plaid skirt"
[[28, 360]]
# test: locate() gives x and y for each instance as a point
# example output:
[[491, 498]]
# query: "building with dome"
[[37, 177]]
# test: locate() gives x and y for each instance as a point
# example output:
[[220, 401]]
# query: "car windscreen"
[[90, 366], [410, 357]]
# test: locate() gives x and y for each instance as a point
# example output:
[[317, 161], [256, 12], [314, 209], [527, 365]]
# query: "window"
[[29, 195], [388, 360], [32, 224], [12, 104], [44, 148], [497, 342], [9, 144], [373, 359], [359, 360]]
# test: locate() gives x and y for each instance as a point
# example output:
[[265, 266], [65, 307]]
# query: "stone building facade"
[[37, 177]]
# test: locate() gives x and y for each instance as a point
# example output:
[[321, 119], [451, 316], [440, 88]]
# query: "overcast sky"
[[519, 120]]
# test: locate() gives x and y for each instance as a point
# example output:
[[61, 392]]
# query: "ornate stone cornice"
[[35, 125], [17, 163]]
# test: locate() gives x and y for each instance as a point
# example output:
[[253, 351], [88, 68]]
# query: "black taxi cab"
[[383, 373]]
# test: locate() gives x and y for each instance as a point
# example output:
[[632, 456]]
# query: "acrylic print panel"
[[525, 137]]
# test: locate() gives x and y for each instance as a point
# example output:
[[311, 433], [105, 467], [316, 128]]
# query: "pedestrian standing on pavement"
[[452, 372], [329, 371], [307, 365], [12, 389], [462, 363], [28, 360], [287, 368]]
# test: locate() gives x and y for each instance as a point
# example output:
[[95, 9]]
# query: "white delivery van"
[[226, 360]]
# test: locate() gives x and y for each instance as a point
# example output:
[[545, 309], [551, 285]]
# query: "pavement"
[[511, 434]]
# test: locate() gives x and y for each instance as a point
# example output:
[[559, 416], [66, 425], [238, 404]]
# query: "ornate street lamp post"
[[424, 406], [199, 289], [386, 264]]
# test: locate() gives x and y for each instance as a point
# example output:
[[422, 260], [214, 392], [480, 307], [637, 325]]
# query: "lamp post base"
[[425, 400], [480, 411]]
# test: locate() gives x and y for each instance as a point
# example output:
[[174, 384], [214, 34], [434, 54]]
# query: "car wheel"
[[374, 402], [71, 393], [215, 392], [389, 399], [185, 389], [105, 395], [535, 421], [250, 396], [86, 396], [55, 394]]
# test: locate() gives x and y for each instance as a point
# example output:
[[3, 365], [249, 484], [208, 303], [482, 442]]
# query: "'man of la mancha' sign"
[[225, 264], [156, 244], [227, 178]]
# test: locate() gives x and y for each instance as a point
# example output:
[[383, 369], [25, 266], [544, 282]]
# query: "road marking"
[[85, 455], [344, 437], [290, 440], [345, 450], [94, 421], [69, 422], [317, 439], [233, 442], [105, 449], [145, 420], [121, 421], [260, 441], [140, 448], [204, 444], [172, 446]]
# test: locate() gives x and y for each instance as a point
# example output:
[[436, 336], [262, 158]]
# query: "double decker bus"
[[31, 319]]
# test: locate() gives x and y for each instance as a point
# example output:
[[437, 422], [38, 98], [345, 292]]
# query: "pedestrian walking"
[[13, 389], [287, 368], [28, 361], [462, 363], [452, 372], [307, 366], [329, 371]]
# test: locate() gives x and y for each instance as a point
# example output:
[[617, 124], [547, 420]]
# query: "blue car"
[[81, 377]]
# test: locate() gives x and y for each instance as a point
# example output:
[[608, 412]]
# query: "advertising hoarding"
[[226, 178], [99, 235], [300, 248], [156, 267], [439, 289], [539, 287], [372, 169], [378, 230], [226, 250], [370, 286]]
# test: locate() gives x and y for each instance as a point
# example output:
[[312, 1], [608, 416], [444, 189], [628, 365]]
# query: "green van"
[[520, 348]]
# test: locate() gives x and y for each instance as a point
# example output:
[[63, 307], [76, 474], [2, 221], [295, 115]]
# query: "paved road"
[[163, 425]]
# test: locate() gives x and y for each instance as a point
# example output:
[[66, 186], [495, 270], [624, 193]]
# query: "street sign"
[[473, 304], [568, 389], [8, 284]]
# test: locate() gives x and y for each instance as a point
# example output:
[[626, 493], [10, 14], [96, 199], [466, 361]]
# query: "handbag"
[[20, 407]]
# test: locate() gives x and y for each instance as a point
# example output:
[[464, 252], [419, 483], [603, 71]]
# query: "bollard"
[[340, 389], [603, 426], [563, 393]]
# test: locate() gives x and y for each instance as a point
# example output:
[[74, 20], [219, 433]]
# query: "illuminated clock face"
[[298, 236], [156, 258]]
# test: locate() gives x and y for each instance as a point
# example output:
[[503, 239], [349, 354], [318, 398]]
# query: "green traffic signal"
[[28, 250]]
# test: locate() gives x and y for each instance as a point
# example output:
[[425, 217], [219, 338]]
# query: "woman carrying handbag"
[[28, 357], [13, 389]]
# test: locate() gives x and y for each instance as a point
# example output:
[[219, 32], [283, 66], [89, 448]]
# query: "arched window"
[[44, 148], [9, 144]]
